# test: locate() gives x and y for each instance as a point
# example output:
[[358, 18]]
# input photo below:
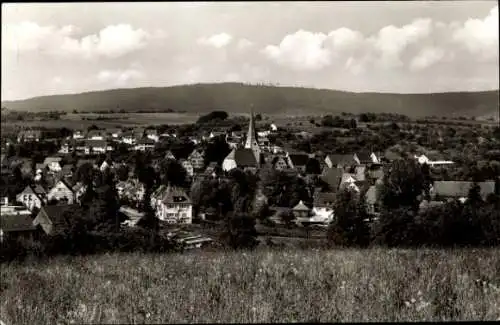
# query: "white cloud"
[[391, 41], [232, 77], [57, 80], [217, 40], [427, 57], [480, 37], [119, 77], [113, 41], [244, 44], [345, 39], [302, 50]]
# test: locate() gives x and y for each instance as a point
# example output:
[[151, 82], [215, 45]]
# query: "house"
[[13, 226], [213, 170], [96, 135], [138, 133], [53, 218], [349, 181], [365, 157], [133, 216], [129, 138], [152, 134], [25, 166], [79, 134], [187, 166], [273, 127], [301, 210], [340, 161], [233, 142], [297, 161], [79, 189], [323, 206], [172, 204], [4, 196], [360, 172], [61, 191], [114, 133], [29, 136], [169, 155], [372, 199], [144, 144], [216, 134], [240, 158], [105, 165], [53, 164], [197, 160], [422, 159], [97, 146], [458, 190], [32, 197], [332, 177], [66, 148], [280, 163]]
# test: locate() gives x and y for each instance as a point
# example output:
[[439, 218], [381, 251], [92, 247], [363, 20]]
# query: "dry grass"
[[263, 286]]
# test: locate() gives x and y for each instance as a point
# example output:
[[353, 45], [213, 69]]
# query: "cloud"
[[244, 44], [217, 40], [57, 80], [113, 41], [119, 77], [478, 36], [302, 50], [428, 56], [391, 41]]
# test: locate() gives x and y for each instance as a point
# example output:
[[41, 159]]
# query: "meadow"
[[265, 285]]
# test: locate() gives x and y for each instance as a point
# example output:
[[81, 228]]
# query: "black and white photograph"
[[249, 162]]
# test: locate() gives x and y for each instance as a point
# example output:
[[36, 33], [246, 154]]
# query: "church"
[[248, 157]]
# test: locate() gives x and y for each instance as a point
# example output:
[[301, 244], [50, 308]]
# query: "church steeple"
[[251, 141]]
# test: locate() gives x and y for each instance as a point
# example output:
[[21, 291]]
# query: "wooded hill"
[[238, 98]]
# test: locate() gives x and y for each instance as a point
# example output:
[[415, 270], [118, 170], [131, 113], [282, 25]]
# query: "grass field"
[[261, 286]]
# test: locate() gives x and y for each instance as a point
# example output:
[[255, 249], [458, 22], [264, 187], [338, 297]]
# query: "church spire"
[[251, 141]]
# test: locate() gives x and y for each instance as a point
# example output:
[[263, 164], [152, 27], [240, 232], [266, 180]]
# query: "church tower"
[[251, 141]]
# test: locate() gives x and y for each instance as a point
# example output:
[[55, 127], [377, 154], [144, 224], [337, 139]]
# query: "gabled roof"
[[298, 160], [14, 222], [49, 160], [65, 183], [461, 188], [93, 133], [348, 177], [332, 176], [341, 159], [146, 141], [55, 213], [96, 143], [364, 156], [301, 207], [244, 157], [173, 194]]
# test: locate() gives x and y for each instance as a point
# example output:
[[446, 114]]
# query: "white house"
[[96, 135], [422, 159], [78, 134], [32, 197], [152, 134], [53, 164], [273, 127], [128, 138], [323, 207], [144, 144], [171, 204], [188, 166], [61, 191], [97, 146]]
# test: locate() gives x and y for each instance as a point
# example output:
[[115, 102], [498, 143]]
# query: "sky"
[[399, 47]]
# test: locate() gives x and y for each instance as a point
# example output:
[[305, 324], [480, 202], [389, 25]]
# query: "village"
[[51, 187]]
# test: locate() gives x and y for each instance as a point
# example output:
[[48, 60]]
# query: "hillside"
[[237, 98]]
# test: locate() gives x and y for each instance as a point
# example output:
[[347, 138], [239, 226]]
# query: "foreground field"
[[262, 286]]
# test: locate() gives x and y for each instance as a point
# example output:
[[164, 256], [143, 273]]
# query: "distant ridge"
[[237, 98]]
